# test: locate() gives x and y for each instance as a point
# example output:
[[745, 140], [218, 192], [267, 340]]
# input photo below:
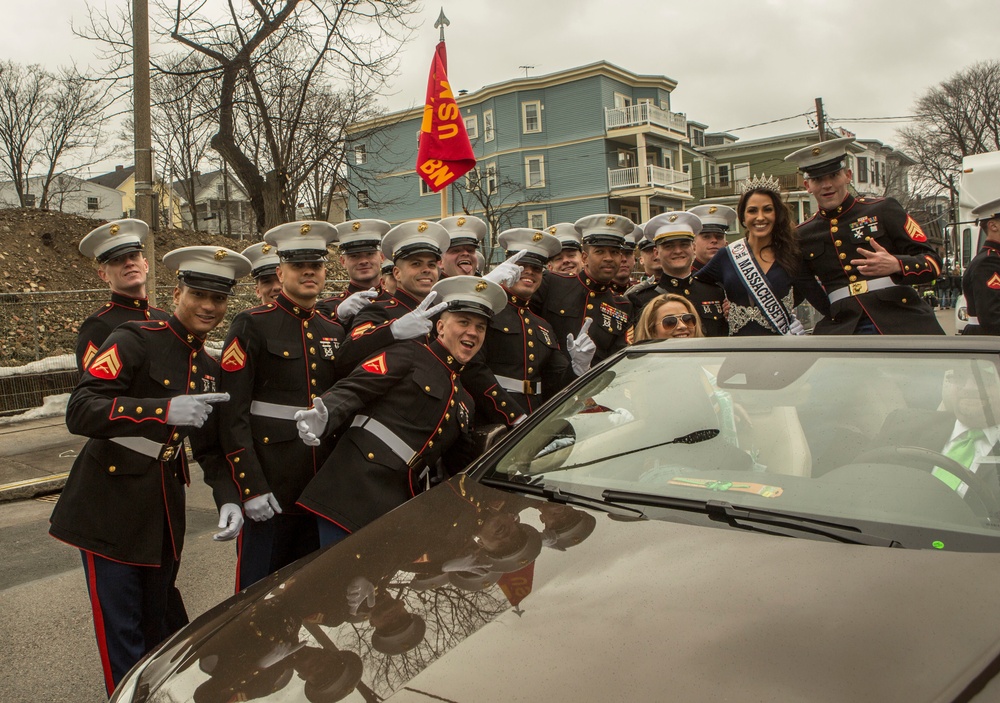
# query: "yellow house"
[[169, 202]]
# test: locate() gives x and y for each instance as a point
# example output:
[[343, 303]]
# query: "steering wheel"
[[927, 460]]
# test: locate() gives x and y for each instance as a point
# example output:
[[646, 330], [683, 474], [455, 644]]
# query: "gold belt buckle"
[[168, 453], [529, 387], [858, 287]]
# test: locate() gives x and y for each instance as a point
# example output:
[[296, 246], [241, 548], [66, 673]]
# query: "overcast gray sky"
[[736, 63]]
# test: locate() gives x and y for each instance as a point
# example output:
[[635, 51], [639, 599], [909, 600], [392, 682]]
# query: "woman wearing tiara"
[[761, 273]]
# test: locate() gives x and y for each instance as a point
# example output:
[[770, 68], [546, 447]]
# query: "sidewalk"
[[35, 457]]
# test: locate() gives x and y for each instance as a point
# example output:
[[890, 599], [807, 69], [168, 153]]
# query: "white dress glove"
[[192, 410], [260, 508], [231, 522], [311, 423], [359, 591], [417, 322], [796, 327], [353, 303], [508, 272], [581, 349], [555, 445]]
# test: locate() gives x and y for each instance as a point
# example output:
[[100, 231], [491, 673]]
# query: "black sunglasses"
[[670, 321]]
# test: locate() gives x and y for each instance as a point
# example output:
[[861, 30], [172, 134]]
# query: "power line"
[[759, 124]]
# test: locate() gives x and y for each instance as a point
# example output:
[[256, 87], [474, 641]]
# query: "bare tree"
[[24, 94], [183, 95], [269, 59], [496, 198], [957, 118], [73, 127]]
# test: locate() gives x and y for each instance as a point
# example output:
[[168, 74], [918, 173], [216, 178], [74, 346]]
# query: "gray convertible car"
[[756, 519]]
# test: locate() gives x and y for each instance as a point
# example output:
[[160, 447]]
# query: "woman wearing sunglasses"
[[668, 316]]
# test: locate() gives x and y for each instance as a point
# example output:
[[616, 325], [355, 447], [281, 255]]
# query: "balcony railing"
[[644, 114], [788, 181], [656, 177]]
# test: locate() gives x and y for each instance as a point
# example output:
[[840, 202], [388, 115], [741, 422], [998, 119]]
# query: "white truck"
[[980, 183]]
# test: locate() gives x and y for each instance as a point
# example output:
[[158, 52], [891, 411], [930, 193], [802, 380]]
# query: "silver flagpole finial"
[[442, 22]]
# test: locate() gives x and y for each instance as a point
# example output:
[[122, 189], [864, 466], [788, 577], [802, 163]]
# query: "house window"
[[723, 174], [492, 183], [622, 101], [360, 154], [862, 169], [363, 200], [537, 219], [425, 188], [92, 204], [876, 173], [534, 172], [488, 133], [472, 126], [531, 117], [626, 159]]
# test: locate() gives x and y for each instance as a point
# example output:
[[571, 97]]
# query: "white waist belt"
[[515, 385], [281, 412], [147, 447], [973, 320], [388, 437], [861, 287]]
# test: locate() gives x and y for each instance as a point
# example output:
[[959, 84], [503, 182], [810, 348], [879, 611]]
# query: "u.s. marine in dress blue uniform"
[[522, 348], [359, 242], [839, 239], [981, 281], [566, 301], [116, 246], [276, 359], [407, 409], [123, 504], [372, 328]]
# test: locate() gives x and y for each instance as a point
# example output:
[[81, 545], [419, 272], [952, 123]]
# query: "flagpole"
[[441, 23]]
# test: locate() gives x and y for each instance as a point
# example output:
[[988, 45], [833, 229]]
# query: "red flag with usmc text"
[[444, 154]]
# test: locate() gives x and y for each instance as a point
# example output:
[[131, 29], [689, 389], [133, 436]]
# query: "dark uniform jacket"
[[832, 238], [117, 502], [981, 287], [96, 328], [399, 412], [281, 355], [371, 333], [522, 349], [707, 299], [566, 301], [328, 306]]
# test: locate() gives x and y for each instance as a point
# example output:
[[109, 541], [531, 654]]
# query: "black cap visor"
[[119, 250], [205, 281]]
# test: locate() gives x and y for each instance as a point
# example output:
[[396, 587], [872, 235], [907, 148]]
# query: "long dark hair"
[[784, 239]]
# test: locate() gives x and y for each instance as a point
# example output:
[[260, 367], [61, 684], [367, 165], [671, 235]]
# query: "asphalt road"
[[47, 646]]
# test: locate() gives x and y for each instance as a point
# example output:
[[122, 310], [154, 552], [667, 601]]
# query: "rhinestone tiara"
[[760, 182]]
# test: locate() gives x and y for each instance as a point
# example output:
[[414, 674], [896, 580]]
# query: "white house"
[[68, 194]]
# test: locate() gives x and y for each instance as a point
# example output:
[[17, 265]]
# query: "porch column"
[[640, 141]]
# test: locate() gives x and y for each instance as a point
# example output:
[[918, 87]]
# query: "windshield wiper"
[[557, 495], [758, 519], [690, 438]]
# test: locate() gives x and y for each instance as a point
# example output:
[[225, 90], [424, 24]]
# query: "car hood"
[[467, 593]]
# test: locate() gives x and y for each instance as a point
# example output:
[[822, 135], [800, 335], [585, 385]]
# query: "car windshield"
[[902, 440]]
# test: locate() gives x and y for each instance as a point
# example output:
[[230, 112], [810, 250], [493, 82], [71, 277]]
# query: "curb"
[[30, 488]]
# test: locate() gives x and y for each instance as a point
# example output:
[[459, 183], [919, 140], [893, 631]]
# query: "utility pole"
[[143, 135], [954, 218], [820, 119]]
